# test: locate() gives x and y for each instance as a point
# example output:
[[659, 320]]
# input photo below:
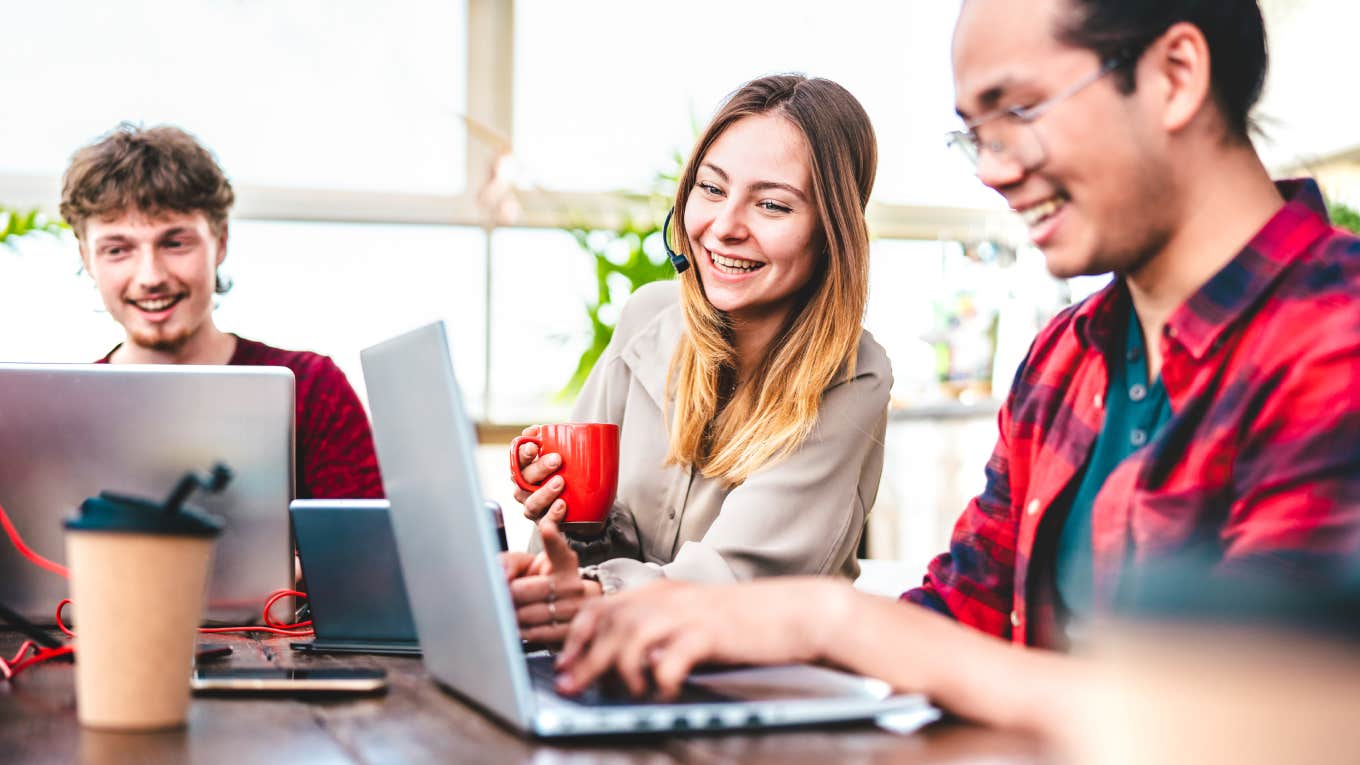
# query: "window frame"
[[490, 53]]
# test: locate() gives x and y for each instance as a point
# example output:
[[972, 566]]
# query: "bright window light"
[[334, 94], [606, 90]]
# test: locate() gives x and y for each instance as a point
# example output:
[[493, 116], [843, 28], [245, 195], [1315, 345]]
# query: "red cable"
[[270, 630], [24, 550], [60, 624], [8, 669], [42, 656], [17, 664], [23, 649], [12, 667], [5, 665], [272, 626]]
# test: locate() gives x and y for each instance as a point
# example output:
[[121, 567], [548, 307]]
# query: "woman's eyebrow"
[[759, 185], [721, 173], [766, 185]]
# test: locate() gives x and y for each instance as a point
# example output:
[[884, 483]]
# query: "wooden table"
[[417, 722]]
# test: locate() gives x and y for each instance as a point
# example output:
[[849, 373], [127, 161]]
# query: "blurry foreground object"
[[1199, 695], [139, 574], [1212, 671]]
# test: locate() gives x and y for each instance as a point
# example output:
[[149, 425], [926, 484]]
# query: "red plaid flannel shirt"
[[1260, 461]]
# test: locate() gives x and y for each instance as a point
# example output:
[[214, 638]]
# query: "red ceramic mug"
[[590, 468]]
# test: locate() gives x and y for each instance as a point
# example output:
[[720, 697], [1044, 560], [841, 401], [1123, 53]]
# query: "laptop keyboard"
[[604, 694]]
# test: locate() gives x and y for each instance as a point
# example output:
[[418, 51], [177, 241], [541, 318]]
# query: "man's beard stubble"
[[162, 343]]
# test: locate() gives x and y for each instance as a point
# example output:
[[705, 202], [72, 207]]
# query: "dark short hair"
[[150, 170], [1234, 30]]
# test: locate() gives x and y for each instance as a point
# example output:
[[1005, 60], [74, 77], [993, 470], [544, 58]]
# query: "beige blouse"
[[800, 515]]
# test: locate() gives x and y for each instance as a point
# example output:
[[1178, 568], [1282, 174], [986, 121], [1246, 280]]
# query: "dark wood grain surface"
[[416, 721]]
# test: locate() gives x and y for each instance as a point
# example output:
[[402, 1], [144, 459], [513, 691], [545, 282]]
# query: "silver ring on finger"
[[552, 612], [552, 590]]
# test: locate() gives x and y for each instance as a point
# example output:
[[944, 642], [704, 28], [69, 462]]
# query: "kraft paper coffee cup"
[[138, 579]]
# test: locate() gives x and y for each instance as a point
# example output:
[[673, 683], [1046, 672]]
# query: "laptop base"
[[355, 646]]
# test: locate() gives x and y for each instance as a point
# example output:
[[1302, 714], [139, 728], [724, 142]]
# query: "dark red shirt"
[[335, 457], [1259, 466]]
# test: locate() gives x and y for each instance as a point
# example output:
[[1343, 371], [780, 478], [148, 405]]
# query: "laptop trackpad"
[[782, 683], [608, 692], [790, 682]]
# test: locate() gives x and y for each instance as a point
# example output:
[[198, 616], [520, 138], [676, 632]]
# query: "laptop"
[[463, 612], [354, 587], [69, 431]]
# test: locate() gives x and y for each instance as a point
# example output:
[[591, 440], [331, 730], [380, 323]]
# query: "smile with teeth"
[[1036, 214], [154, 305], [734, 265]]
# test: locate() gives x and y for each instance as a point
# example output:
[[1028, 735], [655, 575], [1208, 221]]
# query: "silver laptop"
[[355, 591], [463, 613], [69, 431]]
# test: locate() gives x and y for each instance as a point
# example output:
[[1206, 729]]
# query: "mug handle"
[[514, 461]]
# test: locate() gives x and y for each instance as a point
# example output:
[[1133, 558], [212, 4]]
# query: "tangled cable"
[[30, 653]]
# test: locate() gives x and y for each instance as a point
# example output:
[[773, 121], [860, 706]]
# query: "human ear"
[[84, 257], [222, 245], [1178, 68]]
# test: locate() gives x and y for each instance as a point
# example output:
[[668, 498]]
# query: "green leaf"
[[1344, 216], [637, 269], [16, 223]]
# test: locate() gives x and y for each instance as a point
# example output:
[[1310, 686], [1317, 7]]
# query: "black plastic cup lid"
[[119, 513]]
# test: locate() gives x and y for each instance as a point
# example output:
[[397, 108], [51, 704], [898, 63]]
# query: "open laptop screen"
[[68, 431]]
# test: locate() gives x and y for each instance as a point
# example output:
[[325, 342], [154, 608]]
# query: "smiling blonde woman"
[[751, 403]]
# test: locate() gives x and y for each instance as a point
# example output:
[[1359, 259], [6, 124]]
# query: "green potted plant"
[[624, 261], [1344, 216], [16, 223]]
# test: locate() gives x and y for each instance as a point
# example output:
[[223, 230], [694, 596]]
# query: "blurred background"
[[504, 165]]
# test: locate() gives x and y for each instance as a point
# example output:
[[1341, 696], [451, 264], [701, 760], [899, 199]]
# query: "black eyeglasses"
[[1011, 131]]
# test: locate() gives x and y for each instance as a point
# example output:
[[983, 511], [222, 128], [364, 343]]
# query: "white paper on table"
[[907, 721]]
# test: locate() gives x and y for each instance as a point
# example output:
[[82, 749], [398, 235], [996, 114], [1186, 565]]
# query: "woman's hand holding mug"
[[569, 473], [536, 468]]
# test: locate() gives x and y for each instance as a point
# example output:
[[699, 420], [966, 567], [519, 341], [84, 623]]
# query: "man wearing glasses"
[[1204, 405]]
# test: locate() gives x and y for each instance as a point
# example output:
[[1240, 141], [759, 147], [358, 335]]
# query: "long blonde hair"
[[730, 432]]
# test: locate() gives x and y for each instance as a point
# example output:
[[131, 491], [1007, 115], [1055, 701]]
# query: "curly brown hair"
[[150, 170]]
